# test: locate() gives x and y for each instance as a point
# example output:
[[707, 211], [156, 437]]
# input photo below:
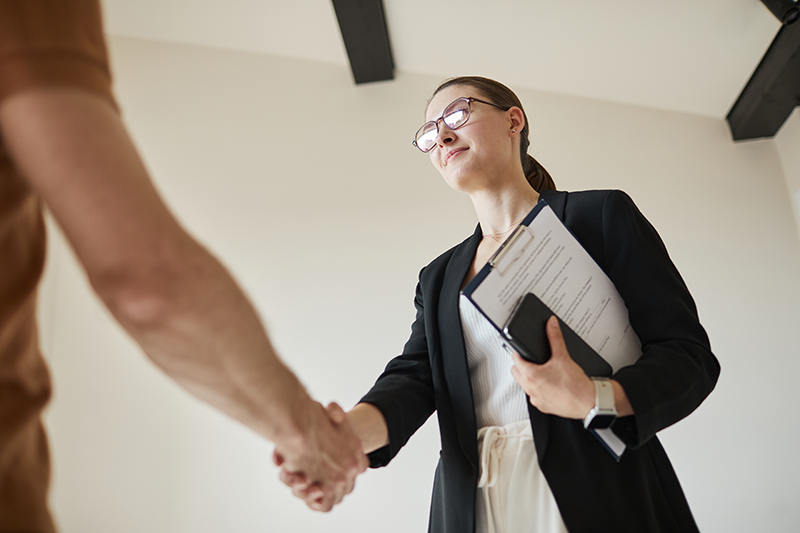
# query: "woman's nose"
[[445, 135]]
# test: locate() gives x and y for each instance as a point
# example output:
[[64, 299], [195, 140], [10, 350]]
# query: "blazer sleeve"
[[677, 369], [404, 393]]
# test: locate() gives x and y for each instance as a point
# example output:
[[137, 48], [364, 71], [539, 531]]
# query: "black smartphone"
[[525, 331]]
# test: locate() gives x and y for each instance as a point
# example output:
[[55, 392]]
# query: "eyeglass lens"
[[454, 116]]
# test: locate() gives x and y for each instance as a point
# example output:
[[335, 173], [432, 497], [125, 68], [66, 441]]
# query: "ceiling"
[[688, 56]]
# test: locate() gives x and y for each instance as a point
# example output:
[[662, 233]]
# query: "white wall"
[[788, 142], [309, 189]]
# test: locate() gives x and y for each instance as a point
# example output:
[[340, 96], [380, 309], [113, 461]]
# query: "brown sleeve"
[[53, 43]]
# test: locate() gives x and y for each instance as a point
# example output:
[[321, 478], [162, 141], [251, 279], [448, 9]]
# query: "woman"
[[515, 454]]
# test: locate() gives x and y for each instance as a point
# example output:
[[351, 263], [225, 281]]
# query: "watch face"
[[600, 421]]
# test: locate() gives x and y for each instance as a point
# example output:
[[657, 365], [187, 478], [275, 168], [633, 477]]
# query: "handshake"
[[320, 462]]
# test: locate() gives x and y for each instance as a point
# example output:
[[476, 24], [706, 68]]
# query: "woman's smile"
[[452, 153]]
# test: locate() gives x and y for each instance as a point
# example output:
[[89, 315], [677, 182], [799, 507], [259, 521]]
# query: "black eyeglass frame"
[[469, 100]]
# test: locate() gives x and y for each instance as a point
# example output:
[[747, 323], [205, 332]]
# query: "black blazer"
[[674, 375]]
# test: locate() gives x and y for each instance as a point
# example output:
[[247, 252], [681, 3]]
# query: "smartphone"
[[525, 332], [525, 329]]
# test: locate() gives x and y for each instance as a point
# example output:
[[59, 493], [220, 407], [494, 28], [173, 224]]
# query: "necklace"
[[494, 236]]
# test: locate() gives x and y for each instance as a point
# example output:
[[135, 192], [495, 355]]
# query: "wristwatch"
[[604, 411]]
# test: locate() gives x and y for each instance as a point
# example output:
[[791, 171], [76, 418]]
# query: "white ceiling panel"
[[685, 55]]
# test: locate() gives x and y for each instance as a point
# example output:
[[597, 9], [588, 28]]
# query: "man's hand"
[[322, 466]]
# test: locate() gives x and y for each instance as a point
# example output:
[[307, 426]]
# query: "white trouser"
[[513, 495]]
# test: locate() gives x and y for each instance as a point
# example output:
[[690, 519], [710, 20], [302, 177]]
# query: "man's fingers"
[[313, 492], [325, 472], [321, 504], [295, 480], [278, 458], [339, 417], [336, 413], [351, 484]]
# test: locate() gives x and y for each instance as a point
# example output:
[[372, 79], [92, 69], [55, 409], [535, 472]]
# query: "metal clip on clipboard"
[[497, 259]]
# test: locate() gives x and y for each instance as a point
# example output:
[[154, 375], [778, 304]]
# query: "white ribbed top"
[[499, 400]]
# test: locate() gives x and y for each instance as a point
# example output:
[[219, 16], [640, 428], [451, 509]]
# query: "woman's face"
[[467, 158]]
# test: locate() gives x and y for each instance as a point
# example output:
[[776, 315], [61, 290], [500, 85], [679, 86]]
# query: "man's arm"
[[167, 291]]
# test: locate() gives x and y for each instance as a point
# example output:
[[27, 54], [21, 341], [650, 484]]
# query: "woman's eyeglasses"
[[454, 116]]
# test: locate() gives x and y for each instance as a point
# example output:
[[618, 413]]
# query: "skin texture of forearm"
[[212, 343], [75, 151], [370, 426]]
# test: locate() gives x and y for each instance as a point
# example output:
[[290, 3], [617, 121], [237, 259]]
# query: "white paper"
[[548, 261], [613, 443]]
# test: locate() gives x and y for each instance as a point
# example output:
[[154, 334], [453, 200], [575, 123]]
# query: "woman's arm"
[[677, 369], [404, 392], [369, 424]]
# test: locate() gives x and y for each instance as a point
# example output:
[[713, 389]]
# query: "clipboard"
[[543, 258]]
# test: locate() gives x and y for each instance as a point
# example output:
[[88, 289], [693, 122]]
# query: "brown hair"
[[500, 95]]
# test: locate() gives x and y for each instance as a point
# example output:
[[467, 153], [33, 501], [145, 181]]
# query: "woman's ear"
[[516, 120]]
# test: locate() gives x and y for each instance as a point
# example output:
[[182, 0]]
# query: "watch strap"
[[604, 412], [604, 394]]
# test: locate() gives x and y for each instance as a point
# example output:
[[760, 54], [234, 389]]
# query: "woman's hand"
[[559, 386]]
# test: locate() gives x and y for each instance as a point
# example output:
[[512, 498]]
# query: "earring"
[[513, 131]]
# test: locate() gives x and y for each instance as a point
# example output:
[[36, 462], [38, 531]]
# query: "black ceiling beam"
[[784, 10], [774, 88], [366, 39]]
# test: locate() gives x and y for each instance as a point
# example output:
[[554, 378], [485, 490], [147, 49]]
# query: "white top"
[[513, 494], [499, 400]]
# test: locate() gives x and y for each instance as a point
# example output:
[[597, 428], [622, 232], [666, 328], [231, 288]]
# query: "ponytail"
[[536, 174]]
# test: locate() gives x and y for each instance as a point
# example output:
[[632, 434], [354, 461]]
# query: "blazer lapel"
[[455, 365]]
